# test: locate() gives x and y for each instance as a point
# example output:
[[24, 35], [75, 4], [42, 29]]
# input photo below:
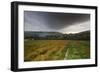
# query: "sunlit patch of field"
[[43, 50]]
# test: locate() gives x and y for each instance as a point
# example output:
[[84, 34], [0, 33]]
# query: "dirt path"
[[66, 54]]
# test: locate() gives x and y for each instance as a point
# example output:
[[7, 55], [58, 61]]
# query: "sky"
[[56, 22]]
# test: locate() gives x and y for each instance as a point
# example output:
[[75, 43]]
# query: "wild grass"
[[78, 50], [43, 50]]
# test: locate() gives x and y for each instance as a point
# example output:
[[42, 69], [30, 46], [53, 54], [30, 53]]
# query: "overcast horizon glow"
[[56, 22]]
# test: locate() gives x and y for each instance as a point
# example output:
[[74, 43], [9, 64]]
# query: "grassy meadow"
[[46, 50]]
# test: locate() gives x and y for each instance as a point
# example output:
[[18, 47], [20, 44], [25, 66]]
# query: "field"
[[46, 50]]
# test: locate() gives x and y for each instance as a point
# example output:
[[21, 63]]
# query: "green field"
[[46, 50]]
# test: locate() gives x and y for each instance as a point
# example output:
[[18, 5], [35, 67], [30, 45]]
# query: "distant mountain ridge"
[[40, 33], [56, 35]]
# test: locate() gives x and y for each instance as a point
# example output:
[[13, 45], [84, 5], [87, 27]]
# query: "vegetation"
[[42, 50], [78, 50], [42, 46], [57, 36]]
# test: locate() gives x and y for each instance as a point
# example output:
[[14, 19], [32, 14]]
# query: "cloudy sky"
[[56, 22]]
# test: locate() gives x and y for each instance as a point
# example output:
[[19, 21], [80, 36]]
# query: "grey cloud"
[[52, 21]]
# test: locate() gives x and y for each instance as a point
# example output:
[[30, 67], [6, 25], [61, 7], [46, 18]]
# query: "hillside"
[[57, 35]]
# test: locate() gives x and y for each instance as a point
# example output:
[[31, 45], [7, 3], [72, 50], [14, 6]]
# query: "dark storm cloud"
[[54, 21], [58, 20]]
